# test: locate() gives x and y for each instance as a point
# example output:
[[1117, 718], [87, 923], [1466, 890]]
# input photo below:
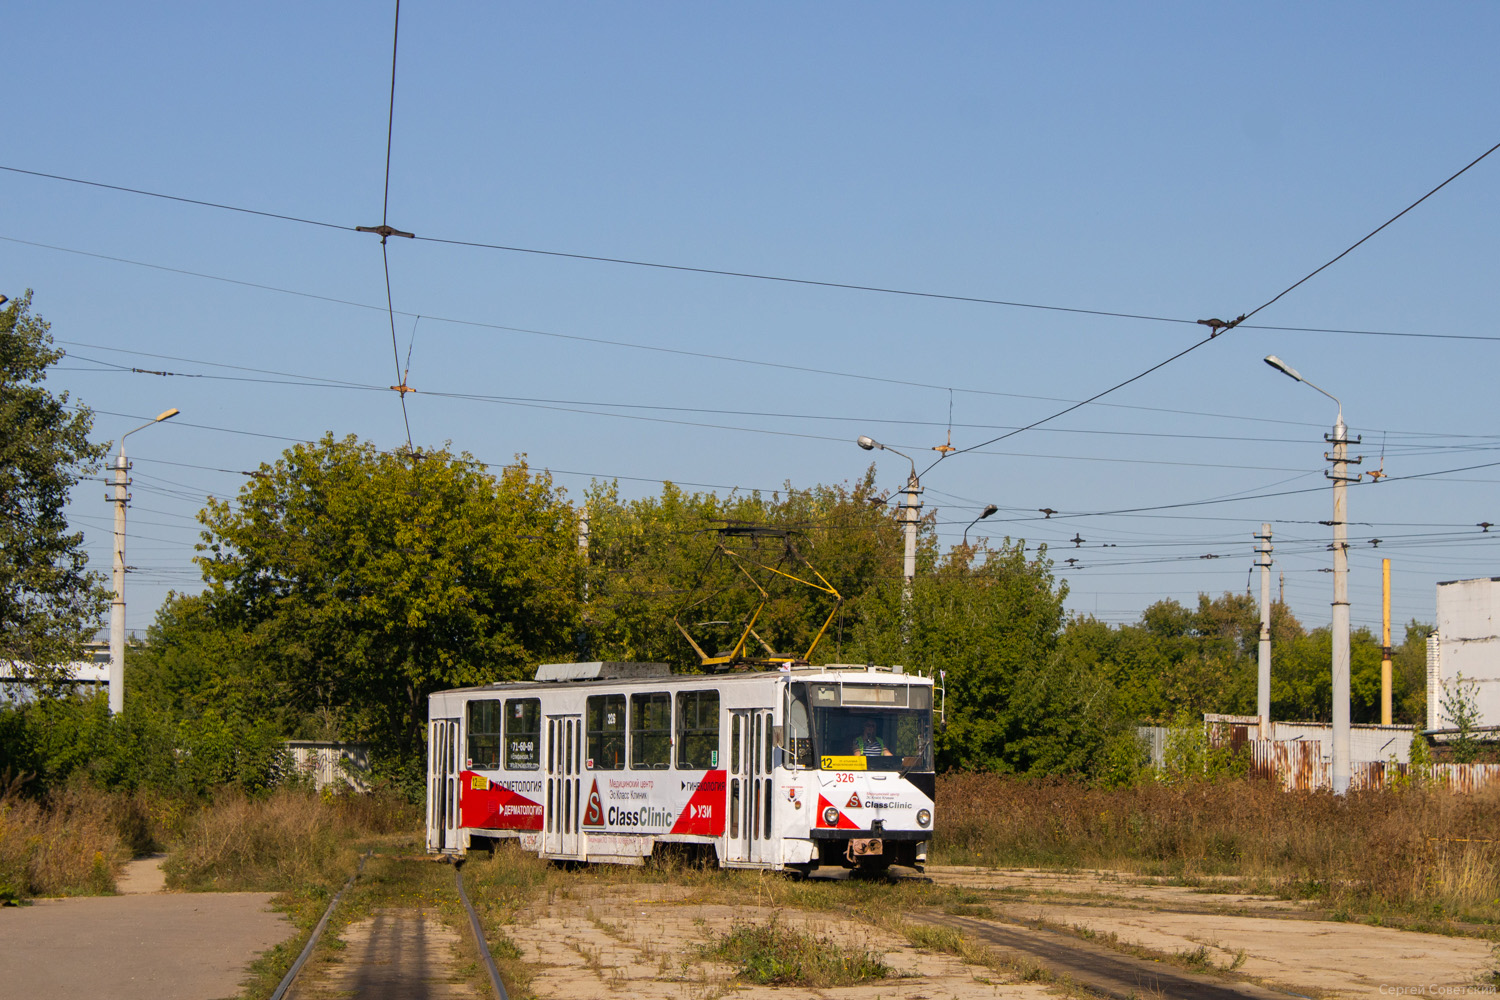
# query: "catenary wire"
[[1224, 328], [656, 348], [788, 279]]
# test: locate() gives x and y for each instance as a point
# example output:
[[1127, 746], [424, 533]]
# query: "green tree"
[[49, 602], [1460, 707], [191, 662], [1409, 667], [1176, 658], [650, 558], [363, 580], [992, 627]]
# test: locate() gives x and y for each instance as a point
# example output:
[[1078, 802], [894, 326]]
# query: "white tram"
[[783, 769]]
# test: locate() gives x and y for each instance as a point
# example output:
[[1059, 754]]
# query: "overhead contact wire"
[[178, 198], [1219, 327], [385, 205]]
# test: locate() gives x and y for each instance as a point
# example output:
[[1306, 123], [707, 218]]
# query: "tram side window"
[[697, 730], [523, 733], [606, 731], [798, 731], [651, 730], [484, 735]]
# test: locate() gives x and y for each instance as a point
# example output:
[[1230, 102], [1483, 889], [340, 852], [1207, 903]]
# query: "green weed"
[[777, 955]]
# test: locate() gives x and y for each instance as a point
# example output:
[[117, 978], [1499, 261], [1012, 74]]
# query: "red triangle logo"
[[594, 815], [854, 802]]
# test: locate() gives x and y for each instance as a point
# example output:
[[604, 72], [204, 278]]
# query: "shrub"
[[64, 845], [777, 955], [75, 738]]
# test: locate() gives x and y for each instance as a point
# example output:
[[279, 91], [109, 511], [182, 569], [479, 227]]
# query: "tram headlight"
[[830, 816], [924, 818]]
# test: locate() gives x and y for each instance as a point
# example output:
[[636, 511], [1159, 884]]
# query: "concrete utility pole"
[[911, 516], [1385, 642], [583, 547], [1263, 675], [117, 606], [1340, 666], [1340, 459]]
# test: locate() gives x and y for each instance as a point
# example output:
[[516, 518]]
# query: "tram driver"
[[868, 744]]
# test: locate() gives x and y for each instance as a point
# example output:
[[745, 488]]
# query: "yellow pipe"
[[1385, 652]]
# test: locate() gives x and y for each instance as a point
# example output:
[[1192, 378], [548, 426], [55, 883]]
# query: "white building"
[[1467, 643], [83, 675]]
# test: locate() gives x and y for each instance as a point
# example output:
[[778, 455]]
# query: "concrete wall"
[[1468, 630]]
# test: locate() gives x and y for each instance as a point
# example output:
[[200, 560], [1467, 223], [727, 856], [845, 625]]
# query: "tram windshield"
[[888, 725]]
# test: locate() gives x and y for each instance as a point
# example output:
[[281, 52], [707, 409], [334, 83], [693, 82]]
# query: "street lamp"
[[1340, 459], [117, 607], [911, 514], [988, 510]]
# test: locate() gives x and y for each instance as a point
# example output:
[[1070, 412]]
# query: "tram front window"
[[895, 738]]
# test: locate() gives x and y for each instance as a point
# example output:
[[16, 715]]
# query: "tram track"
[[594, 929], [1118, 934], [1099, 968], [398, 953]]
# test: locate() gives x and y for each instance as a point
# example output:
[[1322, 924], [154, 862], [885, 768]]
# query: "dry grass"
[[287, 840], [1423, 853], [70, 843]]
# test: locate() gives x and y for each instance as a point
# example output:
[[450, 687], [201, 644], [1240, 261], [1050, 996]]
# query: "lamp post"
[[117, 606], [910, 515], [988, 510], [1340, 459]]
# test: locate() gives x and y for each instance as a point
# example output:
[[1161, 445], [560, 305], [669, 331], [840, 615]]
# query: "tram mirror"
[[777, 737]]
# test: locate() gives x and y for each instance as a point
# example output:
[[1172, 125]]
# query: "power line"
[[386, 231], [178, 198], [1459, 173], [650, 347], [1219, 326], [579, 407], [319, 381], [1281, 493], [722, 272], [789, 279]]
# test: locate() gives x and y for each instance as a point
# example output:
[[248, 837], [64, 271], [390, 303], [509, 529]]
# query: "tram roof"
[[620, 673]]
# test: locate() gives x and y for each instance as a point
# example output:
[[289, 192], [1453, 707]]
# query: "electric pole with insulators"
[[117, 606], [1263, 674]]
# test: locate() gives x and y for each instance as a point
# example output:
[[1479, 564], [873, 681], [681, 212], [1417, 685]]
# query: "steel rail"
[[312, 940], [479, 939]]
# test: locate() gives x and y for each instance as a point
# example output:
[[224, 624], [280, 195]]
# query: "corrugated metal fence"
[[1300, 767], [331, 764], [1367, 741], [1300, 756]]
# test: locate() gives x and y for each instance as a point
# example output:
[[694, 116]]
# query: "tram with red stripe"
[[793, 768]]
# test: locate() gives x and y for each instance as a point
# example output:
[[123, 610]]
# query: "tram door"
[[748, 834], [442, 785], [564, 792]]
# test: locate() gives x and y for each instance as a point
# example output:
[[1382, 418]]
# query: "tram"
[[794, 768]]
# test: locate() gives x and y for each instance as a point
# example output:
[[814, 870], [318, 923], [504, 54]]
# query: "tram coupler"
[[864, 848]]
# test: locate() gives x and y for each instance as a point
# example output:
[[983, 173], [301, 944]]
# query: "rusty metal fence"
[[1299, 766]]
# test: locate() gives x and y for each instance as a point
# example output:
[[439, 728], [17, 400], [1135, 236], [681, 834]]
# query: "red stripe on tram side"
[[484, 805], [704, 813]]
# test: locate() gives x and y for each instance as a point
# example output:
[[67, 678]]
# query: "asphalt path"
[[142, 946]]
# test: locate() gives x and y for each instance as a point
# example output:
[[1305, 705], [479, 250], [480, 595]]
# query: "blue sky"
[[1177, 161]]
